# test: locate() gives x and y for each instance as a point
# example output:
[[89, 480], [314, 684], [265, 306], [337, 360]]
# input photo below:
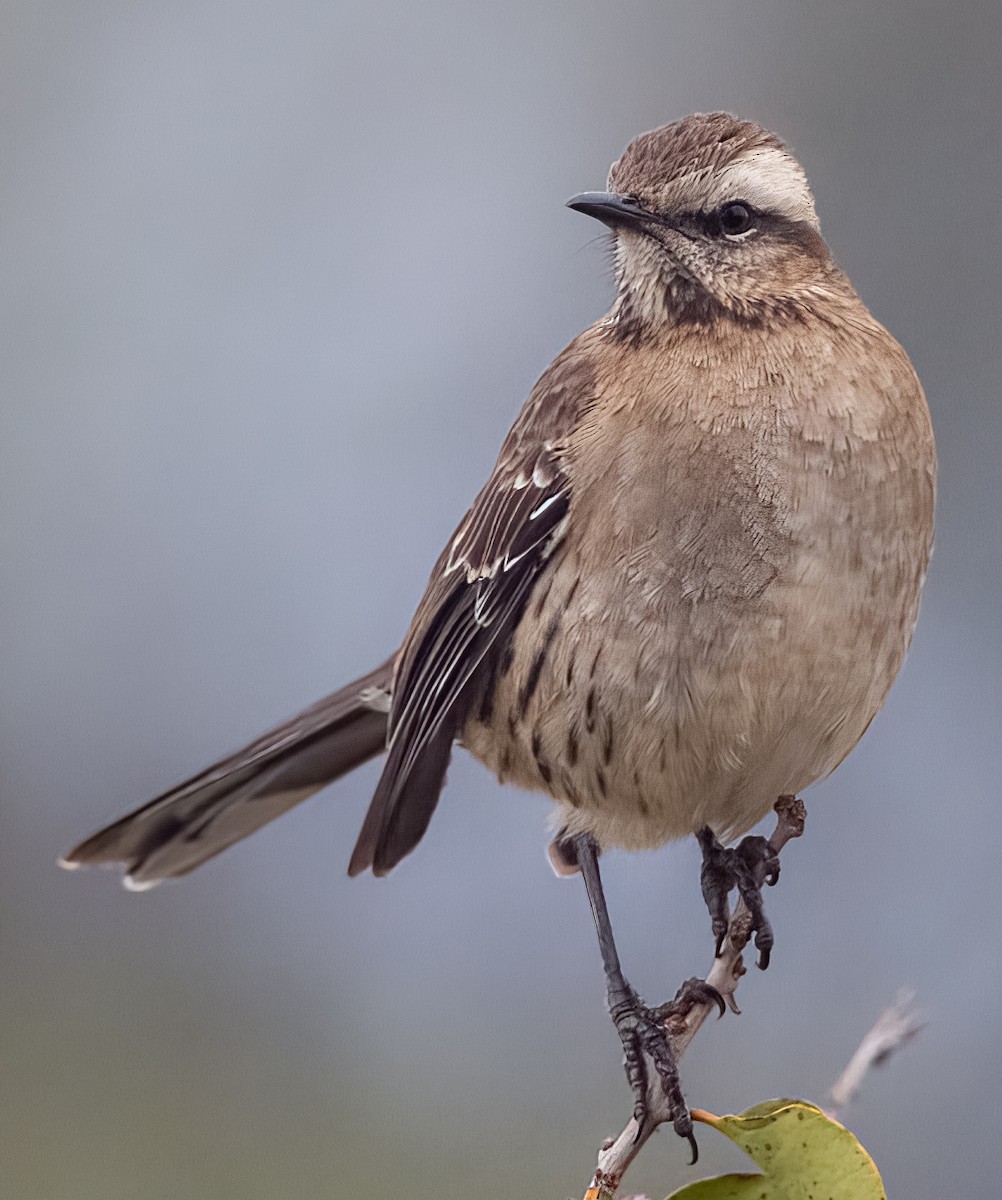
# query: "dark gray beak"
[[610, 209]]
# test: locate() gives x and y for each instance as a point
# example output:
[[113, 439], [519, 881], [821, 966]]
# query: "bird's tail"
[[194, 821]]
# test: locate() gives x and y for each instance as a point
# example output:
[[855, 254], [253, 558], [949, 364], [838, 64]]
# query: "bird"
[[685, 588]]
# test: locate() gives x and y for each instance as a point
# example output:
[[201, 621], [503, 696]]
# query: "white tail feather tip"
[[139, 885]]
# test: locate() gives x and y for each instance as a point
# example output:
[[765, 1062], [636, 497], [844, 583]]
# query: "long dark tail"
[[179, 830]]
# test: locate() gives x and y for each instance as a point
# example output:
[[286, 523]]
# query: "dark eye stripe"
[[801, 234]]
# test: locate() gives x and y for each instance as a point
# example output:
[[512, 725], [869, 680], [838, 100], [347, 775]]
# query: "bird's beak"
[[610, 209]]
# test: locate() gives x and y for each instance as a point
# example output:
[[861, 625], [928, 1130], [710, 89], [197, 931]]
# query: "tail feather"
[[178, 831]]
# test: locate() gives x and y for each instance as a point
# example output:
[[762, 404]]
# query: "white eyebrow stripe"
[[769, 179]]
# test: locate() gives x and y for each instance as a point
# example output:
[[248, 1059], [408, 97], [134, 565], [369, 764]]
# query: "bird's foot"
[[645, 1040], [692, 994], [740, 867]]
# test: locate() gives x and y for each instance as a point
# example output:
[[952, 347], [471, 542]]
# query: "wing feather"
[[474, 600]]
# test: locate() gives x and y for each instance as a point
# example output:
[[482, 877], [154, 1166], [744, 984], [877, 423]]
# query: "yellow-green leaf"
[[803, 1154]]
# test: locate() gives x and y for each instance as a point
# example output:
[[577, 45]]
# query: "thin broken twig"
[[894, 1028]]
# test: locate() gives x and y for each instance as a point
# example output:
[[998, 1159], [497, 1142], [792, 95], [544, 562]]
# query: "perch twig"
[[724, 975]]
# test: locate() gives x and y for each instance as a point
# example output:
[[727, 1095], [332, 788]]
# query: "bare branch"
[[724, 975], [894, 1027]]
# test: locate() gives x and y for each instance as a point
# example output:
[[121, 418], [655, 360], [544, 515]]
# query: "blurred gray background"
[[275, 280]]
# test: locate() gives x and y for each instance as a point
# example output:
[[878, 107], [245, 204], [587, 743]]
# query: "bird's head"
[[712, 216]]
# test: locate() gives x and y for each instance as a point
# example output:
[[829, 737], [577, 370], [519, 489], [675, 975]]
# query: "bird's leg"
[[740, 867], [640, 1028]]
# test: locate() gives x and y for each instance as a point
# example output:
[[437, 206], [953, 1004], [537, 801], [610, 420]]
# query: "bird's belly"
[[645, 725]]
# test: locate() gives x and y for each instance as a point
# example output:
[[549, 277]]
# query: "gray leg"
[[640, 1029]]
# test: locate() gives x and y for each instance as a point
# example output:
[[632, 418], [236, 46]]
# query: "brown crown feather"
[[701, 142]]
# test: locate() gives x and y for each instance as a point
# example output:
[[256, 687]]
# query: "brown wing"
[[474, 599]]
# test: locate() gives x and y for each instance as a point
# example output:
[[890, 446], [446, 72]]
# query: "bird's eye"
[[735, 218]]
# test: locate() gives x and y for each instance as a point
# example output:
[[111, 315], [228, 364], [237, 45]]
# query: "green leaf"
[[803, 1154]]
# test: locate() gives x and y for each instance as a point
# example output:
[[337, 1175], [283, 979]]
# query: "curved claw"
[[699, 991], [694, 991], [763, 941], [683, 1127]]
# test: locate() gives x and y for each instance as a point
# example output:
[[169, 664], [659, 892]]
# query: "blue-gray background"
[[275, 280]]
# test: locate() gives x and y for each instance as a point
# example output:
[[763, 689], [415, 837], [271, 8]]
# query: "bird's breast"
[[733, 598]]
